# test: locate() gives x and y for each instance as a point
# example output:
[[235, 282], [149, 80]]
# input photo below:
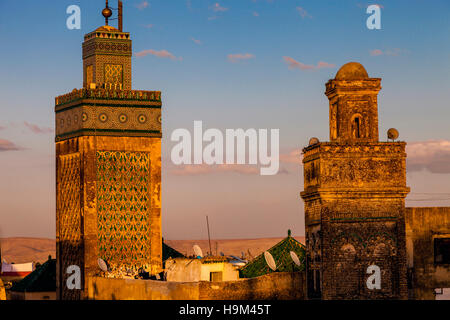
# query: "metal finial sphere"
[[107, 13], [392, 134]]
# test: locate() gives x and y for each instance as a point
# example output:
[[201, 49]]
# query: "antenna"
[[209, 238], [102, 265], [270, 261], [198, 251], [120, 16], [295, 258]]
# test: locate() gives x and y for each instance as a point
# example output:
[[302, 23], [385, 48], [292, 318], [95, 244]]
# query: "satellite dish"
[[295, 258], [270, 261], [198, 251], [313, 141], [392, 133], [102, 265]]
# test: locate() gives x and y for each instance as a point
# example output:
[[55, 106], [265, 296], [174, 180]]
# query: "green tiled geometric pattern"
[[123, 207]]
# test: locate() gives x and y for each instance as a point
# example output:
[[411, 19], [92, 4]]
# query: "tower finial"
[[106, 12]]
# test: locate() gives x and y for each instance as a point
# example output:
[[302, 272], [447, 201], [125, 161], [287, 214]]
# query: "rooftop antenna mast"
[[120, 16], [209, 238]]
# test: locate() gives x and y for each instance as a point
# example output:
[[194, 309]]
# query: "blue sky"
[[41, 59]]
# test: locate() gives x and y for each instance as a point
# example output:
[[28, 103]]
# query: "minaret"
[[108, 167], [354, 195]]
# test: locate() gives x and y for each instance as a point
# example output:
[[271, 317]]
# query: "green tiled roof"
[[43, 279], [281, 254], [169, 252]]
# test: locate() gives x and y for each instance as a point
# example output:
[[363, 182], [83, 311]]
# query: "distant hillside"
[[21, 250], [228, 246]]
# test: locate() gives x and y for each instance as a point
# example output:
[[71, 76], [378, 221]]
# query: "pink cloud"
[[376, 52], [6, 145], [142, 5], [159, 54], [255, 14], [389, 52], [303, 13], [202, 169], [293, 64], [295, 156], [237, 57], [217, 8], [432, 155], [37, 129], [196, 41]]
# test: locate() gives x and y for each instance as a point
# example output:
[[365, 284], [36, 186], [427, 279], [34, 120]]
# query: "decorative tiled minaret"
[[108, 167], [354, 194]]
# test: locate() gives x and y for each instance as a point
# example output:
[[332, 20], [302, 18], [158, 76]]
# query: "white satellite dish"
[[295, 258], [198, 251], [102, 265], [270, 261]]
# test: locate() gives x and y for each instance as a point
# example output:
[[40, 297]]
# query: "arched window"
[[357, 126]]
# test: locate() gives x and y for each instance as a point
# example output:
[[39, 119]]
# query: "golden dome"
[[107, 28], [352, 71]]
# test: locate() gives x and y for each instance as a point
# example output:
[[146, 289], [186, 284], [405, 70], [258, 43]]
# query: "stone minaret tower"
[[354, 194], [108, 166]]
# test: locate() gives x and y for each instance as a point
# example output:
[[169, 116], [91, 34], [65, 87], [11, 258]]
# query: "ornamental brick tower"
[[108, 167], [354, 195]]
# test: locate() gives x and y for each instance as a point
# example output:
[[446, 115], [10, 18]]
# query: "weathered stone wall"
[[423, 225], [278, 285]]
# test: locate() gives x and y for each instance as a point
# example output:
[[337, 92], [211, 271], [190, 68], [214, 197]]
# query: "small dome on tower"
[[352, 71]]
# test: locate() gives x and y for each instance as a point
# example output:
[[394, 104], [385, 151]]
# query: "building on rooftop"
[[203, 269], [281, 254], [38, 285]]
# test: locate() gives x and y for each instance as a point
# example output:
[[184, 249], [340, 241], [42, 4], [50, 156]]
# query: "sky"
[[231, 64]]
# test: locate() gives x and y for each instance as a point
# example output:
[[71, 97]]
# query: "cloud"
[[159, 54], [255, 14], [388, 52], [202, 169], [432, 155], [2, 128], [149, 26], [376, 52], [294, 156], [217, 8], [303, 13], [196, 41], [365, 5], [293, 64], [6, 145], [37, 129], [142, 5], [239, 56]]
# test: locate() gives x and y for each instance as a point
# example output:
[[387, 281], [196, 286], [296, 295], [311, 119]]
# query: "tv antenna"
[[198, 251], [209, 238], [270, 261]]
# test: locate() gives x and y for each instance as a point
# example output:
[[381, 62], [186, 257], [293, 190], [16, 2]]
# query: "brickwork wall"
[[423, 225]]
